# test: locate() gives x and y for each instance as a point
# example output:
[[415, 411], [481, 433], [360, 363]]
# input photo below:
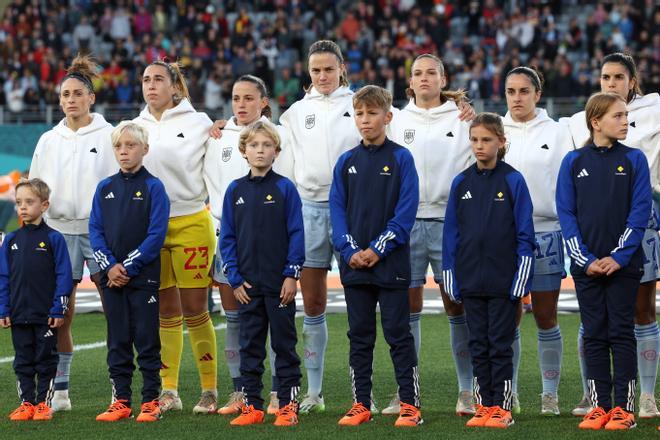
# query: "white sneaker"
[[169, 400], [208, 403], [311, 404], [647, 407], [274, 404], [465, 404], [583, 407], [61, 401], [549, 404], [394, 407], [515, 404]]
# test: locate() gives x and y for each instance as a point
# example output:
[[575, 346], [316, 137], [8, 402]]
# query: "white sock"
[[460, 351], [315, 337], [648, 339], [550, 354]]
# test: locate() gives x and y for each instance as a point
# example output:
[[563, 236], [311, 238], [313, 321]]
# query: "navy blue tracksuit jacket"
[[604, 202], [373, 203], [262, 242], [35, 284], [127, 225]]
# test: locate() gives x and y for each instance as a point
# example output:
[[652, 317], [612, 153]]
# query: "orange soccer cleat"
[[23, 412], [249, 416], [115, 412], [499, 418], [150, 412], [357, 415], [287, 415], [409, 415], [595, 419], [43, 412], [480, 417], [620, 419]]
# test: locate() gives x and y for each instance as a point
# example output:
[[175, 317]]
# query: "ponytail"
[[84, 69], [263, 91], [629, 63], [177, 78]]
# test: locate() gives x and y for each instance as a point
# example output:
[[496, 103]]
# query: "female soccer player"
[[488, 264], [224, 164], [619, 75], [536, 146], [430, 127], [178, 138], [73, 158], [603, 237]]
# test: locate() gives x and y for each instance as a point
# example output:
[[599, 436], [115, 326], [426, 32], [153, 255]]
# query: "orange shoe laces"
[[499, 413], [150, 407], [357, 408], [619, 414], [596, 413], [482, 411], [25, 406], [42, 408], [289, 410], [407, 410], [117, 405], [247, 409]]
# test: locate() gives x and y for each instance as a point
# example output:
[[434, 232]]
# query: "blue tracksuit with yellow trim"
[[373, 203], [262, 243], [35, 284], [127, 226], [488, 264], [604, 201]]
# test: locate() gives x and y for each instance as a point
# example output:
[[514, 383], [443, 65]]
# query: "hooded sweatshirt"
[[177, 149], [536, 149], [72, 163], [440, 145], [318, 129]]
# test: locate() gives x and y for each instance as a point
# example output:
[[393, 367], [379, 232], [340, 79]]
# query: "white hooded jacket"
[[72, 163], [536, 148], [177, 147], [440, 145]]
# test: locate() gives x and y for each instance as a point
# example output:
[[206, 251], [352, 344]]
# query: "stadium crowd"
[[217, 41]]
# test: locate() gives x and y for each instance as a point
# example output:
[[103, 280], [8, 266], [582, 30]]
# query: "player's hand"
[[608, 265], [55, 322], [118, 276], [241, 295], [289, 290], [467, 112], [357, 261], [370, 257], [5, 322], [216, 129], [594, 269]]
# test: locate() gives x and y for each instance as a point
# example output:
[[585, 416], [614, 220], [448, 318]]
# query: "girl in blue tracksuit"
[[488, 264], [603, 236]]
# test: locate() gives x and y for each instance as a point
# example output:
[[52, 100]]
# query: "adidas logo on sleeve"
[[152, 300], [583, 173], [110, 195], [466, 196], [240, 201], [352, 170]]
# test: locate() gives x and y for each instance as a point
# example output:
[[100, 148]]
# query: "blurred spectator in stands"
[[286, 89]]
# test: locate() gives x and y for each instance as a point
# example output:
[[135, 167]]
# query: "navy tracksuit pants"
[[132, 317], [361, 304], [607, 309], [256, 317], [35, 347], [491, 323]]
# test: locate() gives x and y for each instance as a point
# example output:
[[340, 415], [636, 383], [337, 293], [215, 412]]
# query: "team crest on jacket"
[[408, 135], [310, 120], [226, 154]]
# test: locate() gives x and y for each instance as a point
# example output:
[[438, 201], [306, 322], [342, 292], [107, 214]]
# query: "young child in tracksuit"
[[127, 227], [604, 203], [35, 284], [263, 248], [373, 202], [488, 264]]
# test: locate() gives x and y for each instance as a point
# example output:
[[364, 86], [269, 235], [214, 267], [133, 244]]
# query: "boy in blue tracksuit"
[[35, 284], [127, 227], [489, 263], [263, 248], [604, 203], [373, 203]]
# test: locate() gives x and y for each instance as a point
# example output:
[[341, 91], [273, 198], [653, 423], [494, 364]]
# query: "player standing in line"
[[178, 140], [430, 127], [224, 164], [262, 245], [536, 147], [488, 264], [603, 237], [72, 159], [35, 285], [619, 75]]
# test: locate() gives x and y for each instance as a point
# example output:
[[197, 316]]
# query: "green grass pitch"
[[90, 391]]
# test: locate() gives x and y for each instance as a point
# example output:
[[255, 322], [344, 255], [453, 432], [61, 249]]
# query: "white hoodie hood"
[[72, 163], [317, 130], [536, 149], [440, 145], [177, 147]]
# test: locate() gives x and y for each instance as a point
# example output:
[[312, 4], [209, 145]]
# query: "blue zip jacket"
[[35, 275], [604, 201], [373, 203], [488, 244], [262, 239], [127, 225]]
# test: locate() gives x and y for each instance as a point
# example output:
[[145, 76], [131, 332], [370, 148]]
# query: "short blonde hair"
[[265, 128], [373, 96], [136, 131], [38, 187], [597, 106]]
